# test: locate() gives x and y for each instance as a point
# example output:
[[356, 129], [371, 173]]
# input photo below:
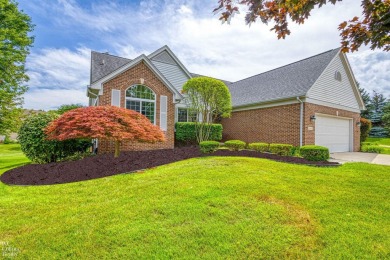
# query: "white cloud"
[[371, 69], [198, 38], [57, 76]]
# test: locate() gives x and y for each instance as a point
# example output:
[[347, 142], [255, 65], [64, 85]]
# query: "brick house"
[[312, 101]]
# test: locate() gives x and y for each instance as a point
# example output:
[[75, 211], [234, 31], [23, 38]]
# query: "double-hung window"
[[185, 115], [143, 100]]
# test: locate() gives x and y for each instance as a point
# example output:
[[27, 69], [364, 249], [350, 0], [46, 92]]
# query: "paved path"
[[383, 159]]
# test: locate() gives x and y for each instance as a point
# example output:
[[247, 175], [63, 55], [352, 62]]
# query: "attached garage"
[[334, 133]]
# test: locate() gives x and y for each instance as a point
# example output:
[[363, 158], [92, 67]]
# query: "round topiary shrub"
[[259, 147], [235, 145], [281, 149], [208, 146], [314, 152], [39, 150]]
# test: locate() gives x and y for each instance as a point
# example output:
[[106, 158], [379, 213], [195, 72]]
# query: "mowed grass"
[[210, 208], [384, 142]]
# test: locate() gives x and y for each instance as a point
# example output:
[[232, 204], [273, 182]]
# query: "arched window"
[[143, 100]]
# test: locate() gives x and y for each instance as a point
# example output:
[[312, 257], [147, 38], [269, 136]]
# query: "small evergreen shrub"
[[259, 147], [365, 128], [208, 146], [39, 150], [369, 143], [314, 152], [372, 149], [235, 145], [281, 149], [186, 134]]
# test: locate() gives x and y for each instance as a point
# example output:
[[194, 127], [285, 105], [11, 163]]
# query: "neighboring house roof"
[[291, 80], [103, 64]]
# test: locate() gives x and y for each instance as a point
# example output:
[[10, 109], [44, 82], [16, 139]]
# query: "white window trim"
[[142, 100], [177, 113]]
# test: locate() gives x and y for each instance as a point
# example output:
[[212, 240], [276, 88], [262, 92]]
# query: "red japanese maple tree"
[[105, 122]]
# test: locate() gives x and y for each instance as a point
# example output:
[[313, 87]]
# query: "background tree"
[[67, 107], [210, 98], [378, 103], [371, 29], [14, 48], [105, 122], [386, 117], [367, 102]]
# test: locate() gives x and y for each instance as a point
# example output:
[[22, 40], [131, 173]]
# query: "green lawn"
[[212, 208], [384, 142]]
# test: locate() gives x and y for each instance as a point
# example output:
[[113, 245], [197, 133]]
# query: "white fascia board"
[[355, 86], [327, 104], [170, 52], [99, 84]]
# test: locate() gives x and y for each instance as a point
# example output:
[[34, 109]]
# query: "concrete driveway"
[[374, 158]]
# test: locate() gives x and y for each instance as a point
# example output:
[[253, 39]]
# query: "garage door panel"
[[333, 133]]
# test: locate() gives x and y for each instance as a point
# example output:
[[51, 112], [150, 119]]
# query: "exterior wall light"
[[358, 124], [313, 118]]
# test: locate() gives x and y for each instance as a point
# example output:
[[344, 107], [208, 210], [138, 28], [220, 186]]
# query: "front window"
[[143, 100], [185, 115]]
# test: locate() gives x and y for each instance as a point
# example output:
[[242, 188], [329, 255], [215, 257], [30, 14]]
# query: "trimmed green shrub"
[[314, 152], [372, 149], [295, 151], [208, 146], [369, 143], [186, 134], [235, 145], [259, 147], [281, 149], [365, 128], [39, 150]]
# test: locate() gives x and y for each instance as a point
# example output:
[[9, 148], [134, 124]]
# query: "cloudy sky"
[[67, 30]]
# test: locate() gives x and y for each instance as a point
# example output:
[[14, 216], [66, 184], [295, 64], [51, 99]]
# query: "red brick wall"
[[312, 109], [278, 124], [124, 81]]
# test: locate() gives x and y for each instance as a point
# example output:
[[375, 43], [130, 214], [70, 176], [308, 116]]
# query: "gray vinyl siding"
[[330, 90], [174, 74]]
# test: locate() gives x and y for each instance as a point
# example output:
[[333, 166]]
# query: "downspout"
[[89, 92], [300, 122]]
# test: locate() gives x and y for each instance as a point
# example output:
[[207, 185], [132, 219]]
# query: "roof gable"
[[289, 81], [98, 85], [342, 91], [170, 66]]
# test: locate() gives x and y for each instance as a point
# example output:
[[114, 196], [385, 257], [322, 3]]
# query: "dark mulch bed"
[[106, 165]]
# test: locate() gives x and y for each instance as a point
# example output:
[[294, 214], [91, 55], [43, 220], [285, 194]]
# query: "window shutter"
[[163, 113], [116, 98]]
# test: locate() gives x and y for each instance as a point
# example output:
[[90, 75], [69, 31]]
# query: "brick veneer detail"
[[123, 81], [280, 124]]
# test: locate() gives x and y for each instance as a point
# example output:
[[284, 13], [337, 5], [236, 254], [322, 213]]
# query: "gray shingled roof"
[[103, 64], [288, 81], [194, 75]]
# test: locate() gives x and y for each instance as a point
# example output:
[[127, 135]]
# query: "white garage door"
[[333, 133]]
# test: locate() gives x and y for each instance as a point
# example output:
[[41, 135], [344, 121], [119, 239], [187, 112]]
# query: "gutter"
[[300, 122]]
